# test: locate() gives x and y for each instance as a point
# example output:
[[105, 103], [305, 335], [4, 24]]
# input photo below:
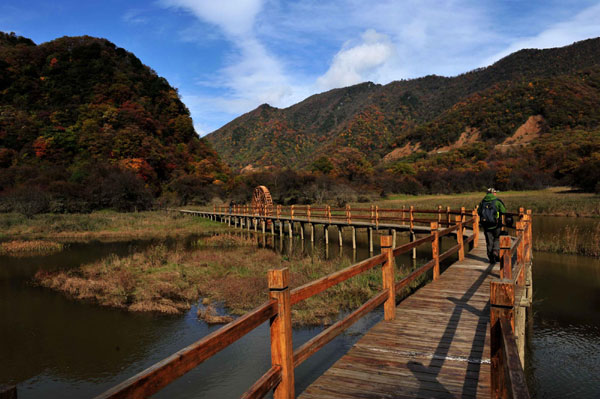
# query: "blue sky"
[[227, 57]]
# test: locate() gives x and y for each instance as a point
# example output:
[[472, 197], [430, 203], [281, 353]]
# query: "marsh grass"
[[29, 248], [571, 240], [225, 241], [170, 281], [105, 225], [557, 201]]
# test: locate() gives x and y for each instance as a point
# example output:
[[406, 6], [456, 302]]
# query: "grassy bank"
[[170, 281], [104, 225], [571, 240], [555, 201]]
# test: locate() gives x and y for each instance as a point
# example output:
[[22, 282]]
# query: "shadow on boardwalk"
[[437, 347]]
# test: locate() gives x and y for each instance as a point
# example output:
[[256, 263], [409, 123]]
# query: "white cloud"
[[235, 17], [584, 25], [252, 74], [356, 63]]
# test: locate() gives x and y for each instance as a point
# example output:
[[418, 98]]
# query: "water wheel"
[[262, 203]]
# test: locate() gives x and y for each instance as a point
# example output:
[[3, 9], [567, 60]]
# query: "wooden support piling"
[[340, 235], [312, 232], [353, 237], [326, 233], [370, 233]]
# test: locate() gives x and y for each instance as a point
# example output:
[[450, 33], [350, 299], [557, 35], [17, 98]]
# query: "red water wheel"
[[262, 203]]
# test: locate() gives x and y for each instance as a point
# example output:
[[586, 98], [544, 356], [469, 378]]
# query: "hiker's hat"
[[492, 190]]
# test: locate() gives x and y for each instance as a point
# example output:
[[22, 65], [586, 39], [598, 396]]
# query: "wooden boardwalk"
[[437, 346]]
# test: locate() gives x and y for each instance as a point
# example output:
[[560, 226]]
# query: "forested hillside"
[[409, 125], [84, 125]]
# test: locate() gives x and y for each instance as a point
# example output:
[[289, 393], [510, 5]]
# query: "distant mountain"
[[77, 110], [558, 87]]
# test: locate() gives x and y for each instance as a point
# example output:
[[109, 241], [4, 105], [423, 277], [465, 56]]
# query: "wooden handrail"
[[515, 382], [408, 246], [264, 384], [154, 378], [315, 287], [414, 274], [508, 378], [317, 342], [449, 252]]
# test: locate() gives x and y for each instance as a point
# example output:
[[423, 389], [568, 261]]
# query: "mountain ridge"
[[375, 119]]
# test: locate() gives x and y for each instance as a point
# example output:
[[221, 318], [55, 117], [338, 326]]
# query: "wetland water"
[[52, 347]]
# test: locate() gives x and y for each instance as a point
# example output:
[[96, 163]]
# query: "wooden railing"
[[280, 377], [509, 295], [325, 213]]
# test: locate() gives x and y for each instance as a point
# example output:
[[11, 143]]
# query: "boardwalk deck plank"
[[437, 347]]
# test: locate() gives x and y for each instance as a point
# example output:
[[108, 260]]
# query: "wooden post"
[[348, 214], [463, 214], [394, 238], [353, 237], [273, 228], [278, 211], [308, 213], [292, 213], [312, 232], [403, 216], [263, 225], [291, 228], [387, 270], [370, 232], [376, 216], [326, 234], [302, 231], [520, 248], [475, 229], [329, 213], [435, 249], [448, 215], [529, 254], [521, 213], [502, 301], [439, 213], [505, 260], [413, 236], [281, 228], [282, 352], [460, 238], [372, 215], [340, 235]]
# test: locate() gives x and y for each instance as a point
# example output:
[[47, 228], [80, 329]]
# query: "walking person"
[[490, 213]]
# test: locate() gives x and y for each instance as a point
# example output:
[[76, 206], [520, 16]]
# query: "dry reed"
[[29, 248]]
